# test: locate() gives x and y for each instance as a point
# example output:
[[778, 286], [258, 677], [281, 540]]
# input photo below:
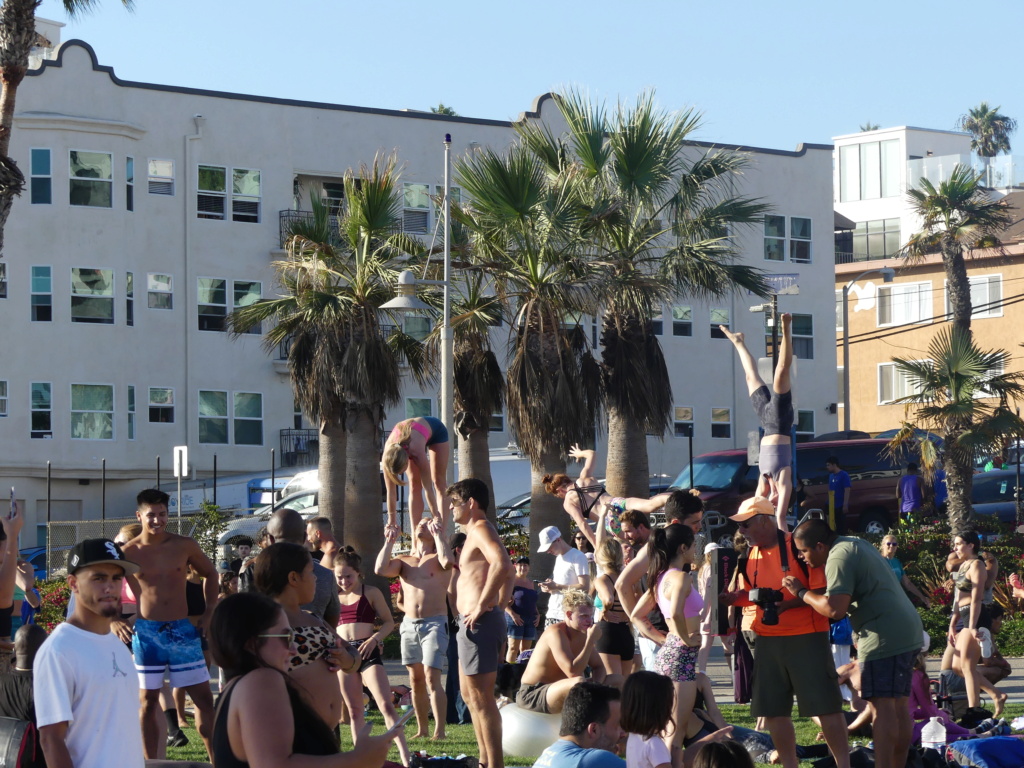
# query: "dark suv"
[[725, 479]]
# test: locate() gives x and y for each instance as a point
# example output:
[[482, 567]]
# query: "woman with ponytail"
[[671, 551], [420, 448]]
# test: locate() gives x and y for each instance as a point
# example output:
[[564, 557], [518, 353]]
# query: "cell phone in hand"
[[405, 718]]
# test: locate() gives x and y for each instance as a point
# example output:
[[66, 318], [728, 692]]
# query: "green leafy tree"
[[961, 393], [17, 37], [344, 363], [663, 234], [441, 109], [990, 131], [956, 217]]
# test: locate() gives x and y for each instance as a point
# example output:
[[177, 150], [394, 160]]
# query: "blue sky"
[[763, 74]]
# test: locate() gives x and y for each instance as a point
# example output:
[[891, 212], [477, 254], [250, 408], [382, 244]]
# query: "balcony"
[[1002, 172], [287, 219], [300, 448]]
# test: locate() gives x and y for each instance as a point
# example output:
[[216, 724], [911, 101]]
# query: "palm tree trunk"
[[627, 467], [364, 523], [958, 287], [959, 483], [545, 509], [331, 471], [475, 461]]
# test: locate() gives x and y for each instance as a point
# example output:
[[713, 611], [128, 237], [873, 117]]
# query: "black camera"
[[767, 600]]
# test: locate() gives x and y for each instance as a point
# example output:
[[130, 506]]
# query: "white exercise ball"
[[525, 733]]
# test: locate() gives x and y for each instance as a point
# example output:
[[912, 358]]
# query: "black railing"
[[287, 219], [851, 258], [300, 448]]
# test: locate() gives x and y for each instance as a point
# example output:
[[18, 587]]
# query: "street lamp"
[[406, 300], [887, 273]]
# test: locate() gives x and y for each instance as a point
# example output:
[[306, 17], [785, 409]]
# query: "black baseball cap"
[[95, 552]]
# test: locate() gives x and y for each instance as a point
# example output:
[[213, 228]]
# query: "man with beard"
[[86, 695]]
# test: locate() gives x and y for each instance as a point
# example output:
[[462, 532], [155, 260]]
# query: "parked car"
[[995, 494], [303, 502], [724, 479], [37, 557]]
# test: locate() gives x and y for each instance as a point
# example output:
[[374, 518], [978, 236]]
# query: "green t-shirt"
[[883, 618]]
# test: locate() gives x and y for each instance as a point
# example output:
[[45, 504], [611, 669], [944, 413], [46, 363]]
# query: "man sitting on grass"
[[562, 654]]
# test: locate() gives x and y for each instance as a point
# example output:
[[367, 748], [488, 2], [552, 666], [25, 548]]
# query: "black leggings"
[[616, 640]]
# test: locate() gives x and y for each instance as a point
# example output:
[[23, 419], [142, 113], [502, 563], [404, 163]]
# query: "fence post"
[[157, 471], [215, 479]]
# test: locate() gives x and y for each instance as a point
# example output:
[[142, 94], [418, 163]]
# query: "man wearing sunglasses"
[[792, 653]]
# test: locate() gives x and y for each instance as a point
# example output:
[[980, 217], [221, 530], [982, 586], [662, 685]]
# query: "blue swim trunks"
[[438, 431], [159, 645]]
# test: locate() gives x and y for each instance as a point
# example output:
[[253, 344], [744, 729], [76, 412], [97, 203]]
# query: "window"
[[92, 412], [211, 197], [3, 280], [904, 303], [682, 421], [657, 323], [92, 295], [42, 295], [416, 208], [870, 170], [248, 418], [92, 179], [129, 302], [804, 425], [296, 415], [893, 384], [161, 177], [245, 195], [213, 303], [417, 326], [161, 405], [334, 197], [41, 179], [983, 391], [3, 399], [721, 422], [129, 183], [775, 238], [803, 336], [497, 422], [160, 291], [800, 240], [719, 316], [682, 321], [213, 417], [875, 239], [131, 411], [418, 407], [247, 292], [42, 409], [986, 296]]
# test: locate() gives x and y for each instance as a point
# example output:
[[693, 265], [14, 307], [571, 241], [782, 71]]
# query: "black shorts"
[[774, 411], [616, 640], [375, 660]]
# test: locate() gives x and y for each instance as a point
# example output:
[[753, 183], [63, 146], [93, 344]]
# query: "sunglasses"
[[288, 637], [890, 543]]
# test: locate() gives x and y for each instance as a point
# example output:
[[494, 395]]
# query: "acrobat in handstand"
[[775, 412]]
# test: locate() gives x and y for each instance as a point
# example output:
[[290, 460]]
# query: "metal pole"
[[689, 440], [447, 343], [215, 480], [180, 473], [48, 488], [273, 474], [1020, 516], [103, 497], [846, 356], [157, 471], [775, 332]]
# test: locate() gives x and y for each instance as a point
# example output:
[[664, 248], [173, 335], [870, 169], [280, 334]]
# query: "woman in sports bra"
[[269, 722], [585, 498], [616, 644], [284, 573], [973, 616], [671, 587], [361, 607], [420, 448]]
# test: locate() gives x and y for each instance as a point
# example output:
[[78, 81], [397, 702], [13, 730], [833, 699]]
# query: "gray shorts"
[[887, 678], [534, 698], [424, 641], [479, 648]]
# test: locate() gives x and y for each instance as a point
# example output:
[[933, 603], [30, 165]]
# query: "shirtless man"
[[164, 637], [774, 408], [485, 586], [320, 534], [424, 575], [562, 654]]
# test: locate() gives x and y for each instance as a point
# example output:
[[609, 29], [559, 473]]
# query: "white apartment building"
[[152, 211]]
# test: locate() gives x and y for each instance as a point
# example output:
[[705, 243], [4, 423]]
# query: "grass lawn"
[[461, 740]]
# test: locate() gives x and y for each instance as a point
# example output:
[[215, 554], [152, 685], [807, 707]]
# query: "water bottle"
[[933, 735]]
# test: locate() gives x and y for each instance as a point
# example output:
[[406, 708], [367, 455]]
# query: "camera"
[[767, 600]]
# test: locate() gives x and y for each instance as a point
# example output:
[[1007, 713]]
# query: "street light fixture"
[[406, 301], [887, 273]]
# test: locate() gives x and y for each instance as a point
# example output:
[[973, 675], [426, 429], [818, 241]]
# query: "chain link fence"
[[62, 535]]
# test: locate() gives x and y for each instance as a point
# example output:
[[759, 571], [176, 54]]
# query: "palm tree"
[[344, 363], [666, 237], [956, 216], [990, 131], [869, 126], [17, 37], [954, 391], [527, 228], [442, 109]]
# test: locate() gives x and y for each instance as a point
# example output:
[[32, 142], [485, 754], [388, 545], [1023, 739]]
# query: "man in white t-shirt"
[[572, 570], [86, 689]]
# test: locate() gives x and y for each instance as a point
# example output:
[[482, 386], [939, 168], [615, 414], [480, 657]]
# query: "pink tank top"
[[423, 429], [692, 607]]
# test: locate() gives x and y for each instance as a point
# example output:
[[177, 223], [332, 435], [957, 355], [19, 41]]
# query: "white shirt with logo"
[[570, 568]]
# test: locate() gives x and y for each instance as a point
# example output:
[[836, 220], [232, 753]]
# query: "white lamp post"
[[887, 273], [406, 300]]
